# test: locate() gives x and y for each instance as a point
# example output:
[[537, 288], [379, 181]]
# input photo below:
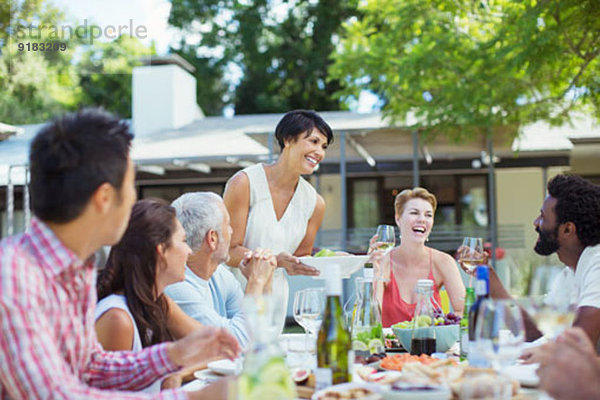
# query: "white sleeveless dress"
[[119, 301], [265, 231]]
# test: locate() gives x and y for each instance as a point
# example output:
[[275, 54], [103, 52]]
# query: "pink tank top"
[[394, 309]]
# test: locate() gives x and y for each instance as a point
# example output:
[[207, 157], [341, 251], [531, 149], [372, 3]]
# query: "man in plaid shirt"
[[82, 185]]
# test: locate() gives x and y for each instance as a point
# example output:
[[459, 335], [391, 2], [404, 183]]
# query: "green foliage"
[[282, 49], [37, 85], [105, 71], [463, 67], [34, 85]]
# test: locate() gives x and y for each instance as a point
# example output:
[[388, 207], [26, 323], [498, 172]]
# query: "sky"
[[153, 15]]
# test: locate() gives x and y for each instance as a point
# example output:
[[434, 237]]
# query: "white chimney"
[[164, 97]]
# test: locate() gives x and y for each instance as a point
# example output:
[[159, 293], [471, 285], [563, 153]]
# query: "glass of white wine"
[[311, 311], [549, 303], [470, 255], [499, 332], [386, 237], [297, 309]]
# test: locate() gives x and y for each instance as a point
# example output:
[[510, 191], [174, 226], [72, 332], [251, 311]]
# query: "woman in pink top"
[[404, 265]]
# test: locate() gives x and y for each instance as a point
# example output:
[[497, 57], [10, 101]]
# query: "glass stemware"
[[386, 237], [470, 255], [499, 332], [550, 303], [311, 310]]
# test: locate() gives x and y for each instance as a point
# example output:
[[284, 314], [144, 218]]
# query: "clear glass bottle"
[[423, 332], [334, 348], [265, 374], [367, 330]]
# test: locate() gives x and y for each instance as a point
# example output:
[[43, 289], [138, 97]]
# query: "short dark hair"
[[577, 201], [296, 122], [71, 157]]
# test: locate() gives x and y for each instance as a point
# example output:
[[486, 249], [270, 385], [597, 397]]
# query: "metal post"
[[344, 193], [415, 141], [26, 207], [318, 189], [270, 144], [10, 204], [492, 196], [544, 181]]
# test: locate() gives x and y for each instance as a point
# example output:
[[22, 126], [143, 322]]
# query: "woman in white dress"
[[272, 206]]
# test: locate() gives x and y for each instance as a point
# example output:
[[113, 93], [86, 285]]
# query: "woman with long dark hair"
[[132, 311]]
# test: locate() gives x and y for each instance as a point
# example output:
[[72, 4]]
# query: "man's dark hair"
[[577, 201], [296, 122], [71, 157]]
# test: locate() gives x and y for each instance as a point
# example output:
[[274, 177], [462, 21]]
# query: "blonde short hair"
[[414, 193]]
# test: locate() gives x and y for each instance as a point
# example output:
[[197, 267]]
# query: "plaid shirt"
[[48, 344]]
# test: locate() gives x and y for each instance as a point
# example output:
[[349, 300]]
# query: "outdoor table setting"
[[397, 376], [383, 365]]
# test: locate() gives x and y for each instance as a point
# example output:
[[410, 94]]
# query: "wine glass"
[[470, 255], [499, 332], [386, 237], [311, 309], [549, 303]]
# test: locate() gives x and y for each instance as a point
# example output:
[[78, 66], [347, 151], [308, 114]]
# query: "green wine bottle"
[[464, 324], [334, 348]]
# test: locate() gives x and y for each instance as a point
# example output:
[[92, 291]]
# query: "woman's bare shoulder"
[[238, 181], [115, 330], [117, 319], [441, 260], [238, 187]]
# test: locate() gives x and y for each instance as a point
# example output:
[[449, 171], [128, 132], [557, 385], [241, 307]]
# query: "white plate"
[[438, 393], [226, 367], [342, 387], [524, 373], [348, 264]]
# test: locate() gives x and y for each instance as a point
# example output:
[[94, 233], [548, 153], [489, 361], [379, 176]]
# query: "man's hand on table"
[[203, 345], [569, 367]]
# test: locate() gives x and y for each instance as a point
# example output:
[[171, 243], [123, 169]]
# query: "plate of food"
[[350, 390], [348, 263]]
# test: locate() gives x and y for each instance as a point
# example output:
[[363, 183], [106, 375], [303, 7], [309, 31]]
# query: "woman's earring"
[[427, 239]]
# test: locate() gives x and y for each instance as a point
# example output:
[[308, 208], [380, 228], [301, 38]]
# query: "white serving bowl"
[[348, 264]]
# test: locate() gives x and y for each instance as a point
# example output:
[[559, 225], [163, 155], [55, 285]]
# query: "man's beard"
[[548, 242]]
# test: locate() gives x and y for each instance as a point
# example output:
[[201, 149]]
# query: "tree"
[[34, 85], [463, 67], [105, 72], [282, 50]]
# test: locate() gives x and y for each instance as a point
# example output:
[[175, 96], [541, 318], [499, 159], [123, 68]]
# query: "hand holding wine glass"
[[470, 254], [384, 239]]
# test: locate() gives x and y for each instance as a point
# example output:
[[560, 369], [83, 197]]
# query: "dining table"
[[300, 353]]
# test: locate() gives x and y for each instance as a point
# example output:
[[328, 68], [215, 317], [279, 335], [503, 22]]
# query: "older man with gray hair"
[[210, 293]]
